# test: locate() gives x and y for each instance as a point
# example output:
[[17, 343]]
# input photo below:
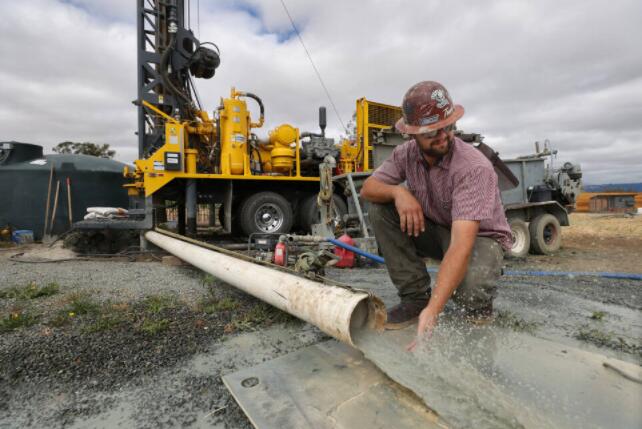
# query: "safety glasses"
[[433, 134]]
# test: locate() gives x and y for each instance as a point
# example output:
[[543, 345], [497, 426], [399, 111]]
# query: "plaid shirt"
[[461, 186]]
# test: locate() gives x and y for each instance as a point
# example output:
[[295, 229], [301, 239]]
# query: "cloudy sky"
[[569, 72]]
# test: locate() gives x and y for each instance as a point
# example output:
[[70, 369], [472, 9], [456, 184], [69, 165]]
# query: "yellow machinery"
[[262, 181], [276, 158], [225, 148]]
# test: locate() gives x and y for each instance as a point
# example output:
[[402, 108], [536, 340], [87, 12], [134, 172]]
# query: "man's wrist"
[[397, 191]]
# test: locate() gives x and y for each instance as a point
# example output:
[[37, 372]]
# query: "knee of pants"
[[378, 213], [478, 287]]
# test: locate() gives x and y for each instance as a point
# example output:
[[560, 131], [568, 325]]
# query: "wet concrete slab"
[[490, 377], [328, 385]]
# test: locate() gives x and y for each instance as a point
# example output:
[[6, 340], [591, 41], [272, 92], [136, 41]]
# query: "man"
[[449, 209]]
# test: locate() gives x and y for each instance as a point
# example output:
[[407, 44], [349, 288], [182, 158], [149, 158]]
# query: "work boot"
[[480, 316], [406, 313]]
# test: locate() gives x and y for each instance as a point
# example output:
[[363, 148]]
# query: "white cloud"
[[525, 71]]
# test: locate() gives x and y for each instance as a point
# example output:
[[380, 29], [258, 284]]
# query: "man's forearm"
[[451, 272], [376, 191]]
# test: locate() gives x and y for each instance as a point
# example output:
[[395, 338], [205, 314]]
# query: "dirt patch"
[[594, 243]]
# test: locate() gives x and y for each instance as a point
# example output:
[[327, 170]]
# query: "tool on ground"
[[55, 207], [314, 263], [71, 222]]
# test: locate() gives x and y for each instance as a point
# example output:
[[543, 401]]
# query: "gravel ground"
[[147, 343], [130, 344]]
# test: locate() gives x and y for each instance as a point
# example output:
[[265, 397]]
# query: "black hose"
[[259, 101], [164, 65]]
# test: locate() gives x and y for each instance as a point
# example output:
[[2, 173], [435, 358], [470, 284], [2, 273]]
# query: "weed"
[[153, 327], [61, 319], [209, 280], [598, 315], [606, 339], [157, 303], [262, 314], [104, 323], [224, 304], [17, 319], [30, 291], [82, 304], [506, 319]]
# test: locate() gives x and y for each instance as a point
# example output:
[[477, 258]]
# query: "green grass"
[[154, 327], [30, 291], [82, 304], [606, 339], [17, 319], [156, 303], [211, 306], [104, 323], [79, 304], [261, 315], [598, 315], [506, 319]]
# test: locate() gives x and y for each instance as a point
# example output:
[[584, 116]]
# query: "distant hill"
[[614, 187]]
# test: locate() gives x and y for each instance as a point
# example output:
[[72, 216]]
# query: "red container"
[[281, 254], [347, 257]]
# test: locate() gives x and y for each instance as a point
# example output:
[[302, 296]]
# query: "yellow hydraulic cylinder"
[[234, 123], [190, 160], [282, 154]]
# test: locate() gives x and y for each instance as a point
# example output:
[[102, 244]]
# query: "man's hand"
[[427, 322], [411, 214]]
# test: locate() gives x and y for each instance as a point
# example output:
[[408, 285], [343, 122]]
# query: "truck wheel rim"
[[519, 240], [269, 217], [550, 234]]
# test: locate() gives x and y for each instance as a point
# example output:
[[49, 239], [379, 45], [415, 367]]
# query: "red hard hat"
[[427, 106]]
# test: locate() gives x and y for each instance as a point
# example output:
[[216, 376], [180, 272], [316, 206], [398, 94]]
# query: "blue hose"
[[356, 250], [621, 276]]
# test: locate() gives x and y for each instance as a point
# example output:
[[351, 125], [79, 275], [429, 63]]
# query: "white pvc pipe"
[[335, 310]]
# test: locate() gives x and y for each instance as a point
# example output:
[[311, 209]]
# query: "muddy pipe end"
[[369, 313]]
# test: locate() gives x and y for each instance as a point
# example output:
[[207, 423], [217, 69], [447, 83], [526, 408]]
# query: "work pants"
[[407, 269]]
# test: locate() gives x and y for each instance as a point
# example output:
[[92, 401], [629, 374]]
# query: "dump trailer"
[[537, 196]]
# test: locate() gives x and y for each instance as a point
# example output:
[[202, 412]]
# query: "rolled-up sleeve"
[[474, 193], [393, 169]]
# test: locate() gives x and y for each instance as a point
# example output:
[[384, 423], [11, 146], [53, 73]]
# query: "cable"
[[334, 107]]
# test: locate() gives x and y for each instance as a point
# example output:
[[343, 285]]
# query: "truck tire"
[[266, 212], [546, 234], [521, 239], [310, 214]]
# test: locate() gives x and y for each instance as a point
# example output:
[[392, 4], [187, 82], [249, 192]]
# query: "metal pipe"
[[337, 311], [357, 204]]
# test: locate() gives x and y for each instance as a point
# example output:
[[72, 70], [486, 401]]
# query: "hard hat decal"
[[429, 120], [439, 96]]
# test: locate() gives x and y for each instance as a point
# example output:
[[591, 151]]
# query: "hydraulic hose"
[[261, 108], [620, 276]]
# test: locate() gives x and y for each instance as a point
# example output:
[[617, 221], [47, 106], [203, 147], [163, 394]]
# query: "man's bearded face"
[[437, 145]]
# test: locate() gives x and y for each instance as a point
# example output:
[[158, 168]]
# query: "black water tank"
[[24, 179]]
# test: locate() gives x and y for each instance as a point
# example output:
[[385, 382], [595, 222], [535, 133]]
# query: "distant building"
[[608, 202]]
